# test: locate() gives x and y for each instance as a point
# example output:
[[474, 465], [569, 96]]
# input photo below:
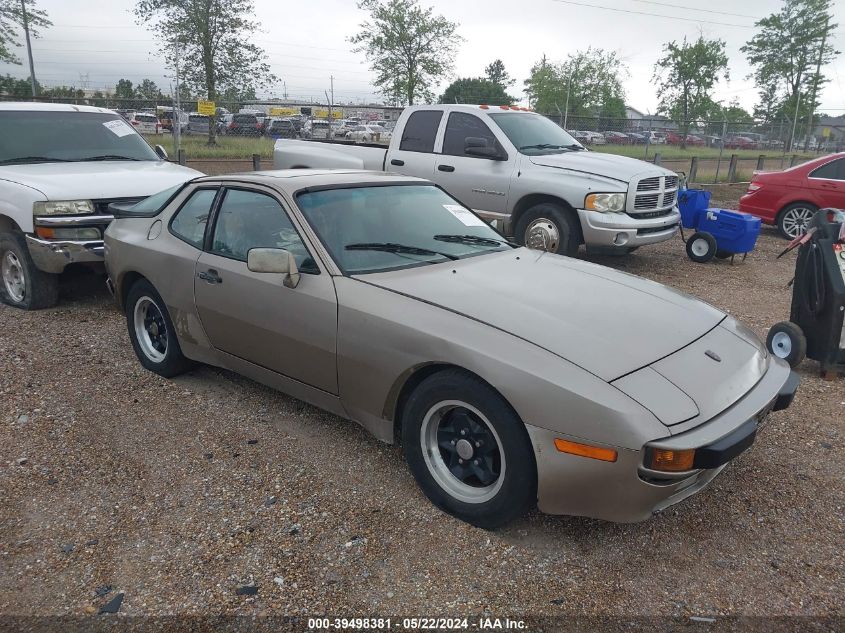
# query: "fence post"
[[180, 156], [793, 160], [256, 162], [693, 169], [656, 158], [761, 161], [732, 168]]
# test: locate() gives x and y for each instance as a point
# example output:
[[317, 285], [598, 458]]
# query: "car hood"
[[607, 322], [619, 168], [98, 180]]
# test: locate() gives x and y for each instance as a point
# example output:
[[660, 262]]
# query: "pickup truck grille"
[[654, 196]]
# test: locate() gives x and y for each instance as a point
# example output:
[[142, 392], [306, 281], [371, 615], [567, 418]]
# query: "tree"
[[124, 90], [476, 90], [590, 81], [409, 48], [786, 51], [498, 75], [14, 87], [11, 19], [215, 41], [148, 90], [686, 74]]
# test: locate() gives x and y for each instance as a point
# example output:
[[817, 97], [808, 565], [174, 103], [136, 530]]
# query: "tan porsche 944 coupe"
[[511, 377]]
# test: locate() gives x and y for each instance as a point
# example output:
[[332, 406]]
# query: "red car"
[[789, 198]]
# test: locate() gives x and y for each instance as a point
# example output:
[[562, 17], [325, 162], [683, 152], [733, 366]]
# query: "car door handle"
[[445, 168], [210, 276], [397, 162]]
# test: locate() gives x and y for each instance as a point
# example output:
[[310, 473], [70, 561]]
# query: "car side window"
[[190, 221], [249, 219], [462, 126], [420, 131], [834, 170]]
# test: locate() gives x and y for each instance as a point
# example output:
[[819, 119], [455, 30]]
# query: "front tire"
[[793, 220], [549, 227], [152, 333], [468, 450], [22, 284]]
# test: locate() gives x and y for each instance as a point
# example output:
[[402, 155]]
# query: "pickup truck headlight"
[[64, 207], [605, 202]]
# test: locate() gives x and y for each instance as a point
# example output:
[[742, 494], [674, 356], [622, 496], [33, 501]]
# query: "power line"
[[689, 8], [654, 15]]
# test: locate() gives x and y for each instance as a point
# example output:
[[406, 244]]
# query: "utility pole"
[[795, 121], [25, 21], [816, 85], [177, 107]]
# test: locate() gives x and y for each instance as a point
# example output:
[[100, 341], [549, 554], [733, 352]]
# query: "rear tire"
[[152, 333], [793, 219], [701, 247], [786, 340], [22, 284], [468, 450], [549, 227]]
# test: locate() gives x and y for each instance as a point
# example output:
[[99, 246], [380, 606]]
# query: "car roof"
[[292, 180], [35, 106]]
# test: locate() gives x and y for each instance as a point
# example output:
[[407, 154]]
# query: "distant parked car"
[[595, 138], [636, 138], [740, 142], [617, 138], [242, 125], [145, 123], [790, 198], [281, 128], [695, 141], [198, 123], [580, 136], [316, 129], [655, 138], [367, 133]]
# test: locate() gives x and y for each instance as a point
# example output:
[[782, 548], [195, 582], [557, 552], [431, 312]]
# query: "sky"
[[93, 44]]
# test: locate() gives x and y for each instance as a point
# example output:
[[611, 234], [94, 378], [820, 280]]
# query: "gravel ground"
[[177, 493]]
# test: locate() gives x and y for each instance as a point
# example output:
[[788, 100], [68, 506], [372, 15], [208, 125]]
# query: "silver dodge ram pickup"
[[519, 169]]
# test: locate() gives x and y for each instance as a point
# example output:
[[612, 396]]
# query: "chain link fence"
[[706, 151]]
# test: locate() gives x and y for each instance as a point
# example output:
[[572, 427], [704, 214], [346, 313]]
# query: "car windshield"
[[533, 134], [380, 228], [45, 136]]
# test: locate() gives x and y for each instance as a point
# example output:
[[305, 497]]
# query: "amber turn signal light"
[[671, 461], [585, 450]]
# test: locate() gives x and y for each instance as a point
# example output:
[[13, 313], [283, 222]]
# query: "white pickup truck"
[[519, 169], [60, 167]]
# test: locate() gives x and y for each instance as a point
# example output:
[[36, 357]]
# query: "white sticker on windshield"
[[118, 127], [464, 215]]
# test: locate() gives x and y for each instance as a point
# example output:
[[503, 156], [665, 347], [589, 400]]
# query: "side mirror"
[[274, 260], [477, 146], [162, 153]]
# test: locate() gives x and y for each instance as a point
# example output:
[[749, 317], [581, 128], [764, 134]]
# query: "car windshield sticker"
[[463, 215], [118, 127]]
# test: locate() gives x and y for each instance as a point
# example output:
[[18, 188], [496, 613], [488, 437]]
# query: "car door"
[[479, 182], [828, 181], [415, 156], [253, 316]]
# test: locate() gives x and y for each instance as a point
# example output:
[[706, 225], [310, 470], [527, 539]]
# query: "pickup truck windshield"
[[50, 136], [375, 229], [533, 134]]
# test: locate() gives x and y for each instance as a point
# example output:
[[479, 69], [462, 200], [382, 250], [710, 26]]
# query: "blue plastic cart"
[[720, 233]]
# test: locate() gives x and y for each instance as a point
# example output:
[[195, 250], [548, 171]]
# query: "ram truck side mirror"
[[161, 152], [274, 260], [478, 146]]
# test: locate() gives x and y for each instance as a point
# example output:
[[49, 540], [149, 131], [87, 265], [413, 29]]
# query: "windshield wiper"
[[106, 157], [472, 240], [542, 146], [391, 247], [33, 159]]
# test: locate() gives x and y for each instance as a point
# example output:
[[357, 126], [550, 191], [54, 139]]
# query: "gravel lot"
[[179, 492]]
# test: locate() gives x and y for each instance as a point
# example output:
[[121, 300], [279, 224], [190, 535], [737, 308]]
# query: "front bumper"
[[624, 231], [54, 255], [626, 491]]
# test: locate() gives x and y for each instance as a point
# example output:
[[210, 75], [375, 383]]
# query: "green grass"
[[228, 147], [672, 152]]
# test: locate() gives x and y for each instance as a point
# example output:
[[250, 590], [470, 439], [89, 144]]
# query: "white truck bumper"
[[623, 231]]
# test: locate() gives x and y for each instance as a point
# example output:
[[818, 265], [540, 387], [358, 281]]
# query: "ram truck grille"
[[654, 196]]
